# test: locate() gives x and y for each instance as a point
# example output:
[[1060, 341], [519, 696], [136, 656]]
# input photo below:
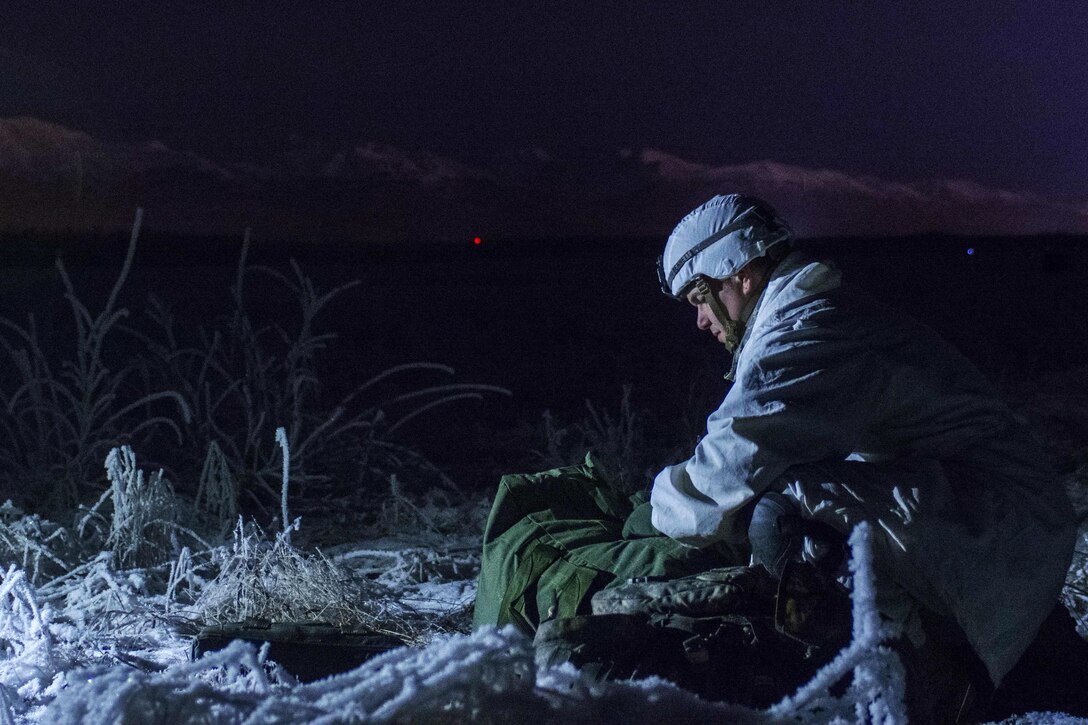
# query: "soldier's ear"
[[750, 277], [747, 280]]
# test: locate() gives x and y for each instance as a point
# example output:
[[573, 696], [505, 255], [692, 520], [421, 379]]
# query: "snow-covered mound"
[[53, 674], [98, 645]]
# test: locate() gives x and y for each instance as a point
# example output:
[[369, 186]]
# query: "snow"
[[490, 672], [102, 643]]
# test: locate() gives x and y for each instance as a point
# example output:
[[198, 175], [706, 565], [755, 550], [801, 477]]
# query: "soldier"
[[840, 411]]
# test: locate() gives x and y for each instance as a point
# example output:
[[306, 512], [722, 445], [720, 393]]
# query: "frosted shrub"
[[34, 544], [273, 580], [100, 613], [27, 664], [617, 442], [144, 523], [138, 505], [61, 416], [248, 374], [95, 596]]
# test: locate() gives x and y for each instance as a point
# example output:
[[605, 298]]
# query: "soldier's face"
[[730, 292]]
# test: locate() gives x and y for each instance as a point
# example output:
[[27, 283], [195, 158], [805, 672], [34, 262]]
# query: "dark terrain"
[[560, 322]]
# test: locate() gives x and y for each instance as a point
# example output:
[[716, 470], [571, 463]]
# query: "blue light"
[[970, 251]]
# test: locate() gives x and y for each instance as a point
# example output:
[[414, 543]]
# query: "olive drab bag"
[[554, 539]]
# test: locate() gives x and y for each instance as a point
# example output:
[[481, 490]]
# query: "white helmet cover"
[[717, 239]]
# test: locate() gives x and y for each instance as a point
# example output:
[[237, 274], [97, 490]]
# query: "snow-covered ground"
[[103, 644]]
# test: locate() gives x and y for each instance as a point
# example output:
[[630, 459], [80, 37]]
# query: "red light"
[[477, 241]]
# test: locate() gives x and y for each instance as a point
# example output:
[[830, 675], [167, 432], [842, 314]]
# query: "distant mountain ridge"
[[53, 177]]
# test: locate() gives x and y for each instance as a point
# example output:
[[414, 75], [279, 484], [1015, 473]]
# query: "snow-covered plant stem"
[[217, 493], [281, 438], [876, 694]]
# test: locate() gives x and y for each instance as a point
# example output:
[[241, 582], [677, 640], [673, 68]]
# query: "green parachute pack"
[[575, 564]]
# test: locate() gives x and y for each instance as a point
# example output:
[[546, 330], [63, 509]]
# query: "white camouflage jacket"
[[976, 524]]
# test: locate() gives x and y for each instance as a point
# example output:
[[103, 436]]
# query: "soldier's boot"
[[946, 681], [1051, 675]]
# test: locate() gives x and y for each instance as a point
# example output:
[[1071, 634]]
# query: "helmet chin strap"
[[730, 327], [733, 329]]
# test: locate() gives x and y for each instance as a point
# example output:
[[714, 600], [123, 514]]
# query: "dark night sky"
[[992, 92]]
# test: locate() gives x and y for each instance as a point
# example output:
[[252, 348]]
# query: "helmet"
[[718, 238]]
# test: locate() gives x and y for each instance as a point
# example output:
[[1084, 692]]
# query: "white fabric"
[[759, 229], [974, 523]]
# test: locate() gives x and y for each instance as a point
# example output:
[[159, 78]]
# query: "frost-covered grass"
[[258, 578], [63, 411], [52, 673], [109, 567], [202, 399], [96, 638], [102, 643], [624, 441]]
